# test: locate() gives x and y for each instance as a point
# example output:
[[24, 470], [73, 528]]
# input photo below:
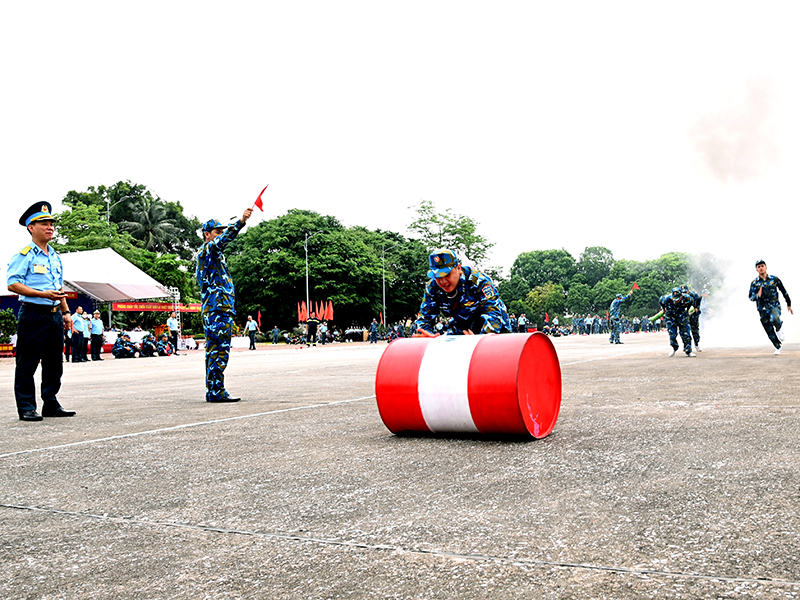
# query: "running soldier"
[[676, 311], [764, 292]]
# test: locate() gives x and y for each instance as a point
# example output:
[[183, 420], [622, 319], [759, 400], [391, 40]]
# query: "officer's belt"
[[45, 308]]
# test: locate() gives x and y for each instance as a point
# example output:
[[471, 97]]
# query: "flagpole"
[[305, 245], [383, 265]]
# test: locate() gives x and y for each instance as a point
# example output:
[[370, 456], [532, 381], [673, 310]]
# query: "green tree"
[[162, 226], [579, 299], [449, 230], [605, 291], [539, 267], [548, 298], [595, 262], [150, 224]]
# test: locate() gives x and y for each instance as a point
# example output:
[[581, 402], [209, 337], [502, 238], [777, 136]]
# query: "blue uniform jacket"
[[216, 286], [32, 267], [475, 306]]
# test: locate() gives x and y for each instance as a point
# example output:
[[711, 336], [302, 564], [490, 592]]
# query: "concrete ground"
[[664, 478]]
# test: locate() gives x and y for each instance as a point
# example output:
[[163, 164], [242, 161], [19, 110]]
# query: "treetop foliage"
[[353, 266]]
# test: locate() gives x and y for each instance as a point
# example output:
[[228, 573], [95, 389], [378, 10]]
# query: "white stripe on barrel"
[[442, 384]]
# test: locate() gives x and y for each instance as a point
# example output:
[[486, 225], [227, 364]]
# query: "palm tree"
[[151, 225]]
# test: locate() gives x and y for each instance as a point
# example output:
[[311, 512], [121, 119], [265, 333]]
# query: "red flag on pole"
[[260, 203], [546, 317], [304, 313], [381, 316], [259, 318], [329, 311], [636, 286]]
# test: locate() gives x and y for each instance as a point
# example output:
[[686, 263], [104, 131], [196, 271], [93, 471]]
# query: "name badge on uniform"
[[40, 269]]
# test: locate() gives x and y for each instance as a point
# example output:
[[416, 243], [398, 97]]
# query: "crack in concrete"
[[415, 551]]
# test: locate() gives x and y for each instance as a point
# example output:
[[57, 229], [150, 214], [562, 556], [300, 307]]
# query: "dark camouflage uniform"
[[769, 305], [218, 297], [614, 314], [475, 306], [694, 318], [676, 313], [123, 349]]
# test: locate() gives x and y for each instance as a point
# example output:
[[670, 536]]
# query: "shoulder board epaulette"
[[25, 250], [474, 278]]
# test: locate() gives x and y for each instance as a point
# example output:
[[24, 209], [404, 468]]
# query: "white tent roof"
[[106, 276]]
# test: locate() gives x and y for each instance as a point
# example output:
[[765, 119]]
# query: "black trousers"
[[77, 347], [173, 337], [40, 339], [97, 345]]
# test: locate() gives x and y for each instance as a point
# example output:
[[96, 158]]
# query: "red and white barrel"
[[508, 383]]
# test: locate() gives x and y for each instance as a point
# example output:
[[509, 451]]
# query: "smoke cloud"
[[738, 144]]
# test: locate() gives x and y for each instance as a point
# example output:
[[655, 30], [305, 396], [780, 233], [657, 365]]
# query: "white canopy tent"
[[106, 276]]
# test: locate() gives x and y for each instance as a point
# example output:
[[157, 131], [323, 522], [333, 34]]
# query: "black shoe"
[[224, 399], [30, 415], [58, 412]]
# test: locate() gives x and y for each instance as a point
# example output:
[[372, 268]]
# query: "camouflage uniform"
[[676, 312], [614, 314], [769, 306], [148, 346], [164, 347], [218, 297], [475, 305], [694, 318], [123, 348]]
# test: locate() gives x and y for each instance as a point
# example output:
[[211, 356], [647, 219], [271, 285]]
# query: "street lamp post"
[[383, 265], [109, 206], [305, 245]]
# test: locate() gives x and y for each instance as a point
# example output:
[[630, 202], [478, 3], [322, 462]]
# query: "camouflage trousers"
[[680, 325], [219, 328], [616, 328], [771, 322], [694, 325]]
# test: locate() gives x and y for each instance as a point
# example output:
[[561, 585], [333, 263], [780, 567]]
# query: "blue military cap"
[[676, 291], [619, 295], [40, 211], [212, 224], [441, 262], [760, 262]]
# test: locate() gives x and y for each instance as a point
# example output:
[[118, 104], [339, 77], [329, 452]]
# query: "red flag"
[[259, 203], [546, 317], [329, 311], [381, 316], [636, 286], [259, 318], [304, 311], [319, 310]]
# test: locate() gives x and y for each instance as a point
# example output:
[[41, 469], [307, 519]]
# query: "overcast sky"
[[642, 127]]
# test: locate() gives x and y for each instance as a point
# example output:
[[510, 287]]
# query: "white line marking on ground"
[[183, 426]]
